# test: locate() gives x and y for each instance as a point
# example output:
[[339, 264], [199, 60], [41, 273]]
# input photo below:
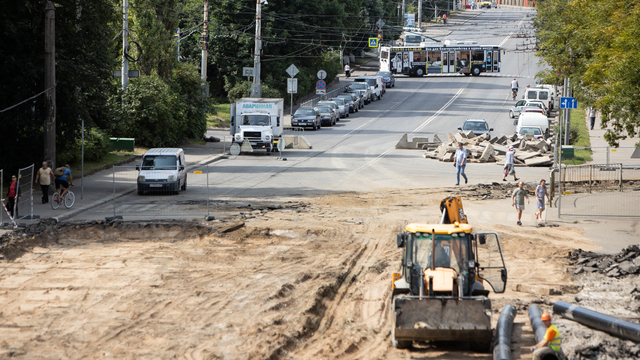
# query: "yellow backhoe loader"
[[439, 294]]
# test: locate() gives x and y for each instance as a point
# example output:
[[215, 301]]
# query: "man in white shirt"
[[508, 165], [460, 161], [347, 70]]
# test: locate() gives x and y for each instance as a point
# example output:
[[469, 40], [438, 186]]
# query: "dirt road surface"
[[294, 279]]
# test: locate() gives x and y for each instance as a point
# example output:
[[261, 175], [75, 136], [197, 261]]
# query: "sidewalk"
[[98, 188], [601, 148]]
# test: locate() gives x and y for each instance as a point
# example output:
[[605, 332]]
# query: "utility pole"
[[256, 88], [419, 14], [403, 12], [125, 44], [50, 83], [205, 37]]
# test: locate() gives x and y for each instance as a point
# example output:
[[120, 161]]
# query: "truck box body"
[[257, 120]]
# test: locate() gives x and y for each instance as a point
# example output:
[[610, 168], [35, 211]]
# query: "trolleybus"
[[439, 59]]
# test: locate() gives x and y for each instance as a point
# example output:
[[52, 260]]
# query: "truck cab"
[[257, 122]]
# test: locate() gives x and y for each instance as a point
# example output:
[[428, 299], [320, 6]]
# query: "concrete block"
[[487, 153], [459, 138], [470, 135], [539, 161], [403, 143], [436, 138], [451, 137]]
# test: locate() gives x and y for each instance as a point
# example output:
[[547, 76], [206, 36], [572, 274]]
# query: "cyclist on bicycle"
[[63, 181], [514, 88]]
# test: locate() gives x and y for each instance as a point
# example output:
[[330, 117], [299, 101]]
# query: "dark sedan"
[[307, 117], [388, 77], [479, 127]]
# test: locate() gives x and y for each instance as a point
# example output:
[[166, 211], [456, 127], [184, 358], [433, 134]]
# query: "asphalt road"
[[358, 153]]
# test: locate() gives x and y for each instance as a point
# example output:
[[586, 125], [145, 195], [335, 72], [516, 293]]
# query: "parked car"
[[359, 96], [388, 77], [535, 109], [342, 105], [520, 104], [351, 100], [494, 4], [478, 126], [327, 115], [162, 169], [334, 106], [535, 131], [307, 117], [484, 4], [374, 83], [533, 119], [364, 88]]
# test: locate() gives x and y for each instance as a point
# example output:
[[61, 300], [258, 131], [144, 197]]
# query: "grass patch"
[[579, 126], [110, 159], [220, 116]]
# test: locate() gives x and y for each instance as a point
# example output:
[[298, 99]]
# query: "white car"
[[515, 110], [535, 131]]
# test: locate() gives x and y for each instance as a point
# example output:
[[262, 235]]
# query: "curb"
[[75, 212]]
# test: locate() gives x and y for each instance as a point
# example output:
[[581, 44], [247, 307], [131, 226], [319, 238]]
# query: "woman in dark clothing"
[[12, 195]]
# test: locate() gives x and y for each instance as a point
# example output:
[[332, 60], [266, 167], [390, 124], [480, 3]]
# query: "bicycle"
[[514, 93], [69, 200]]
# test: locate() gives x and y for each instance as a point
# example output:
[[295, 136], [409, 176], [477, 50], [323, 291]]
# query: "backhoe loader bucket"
[[441, 319]]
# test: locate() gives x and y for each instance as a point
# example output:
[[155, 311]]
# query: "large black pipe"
[[535, 314], [502, 350], [612, 325]]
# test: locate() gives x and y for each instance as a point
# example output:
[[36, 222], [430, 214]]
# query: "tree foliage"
[[595, 43]]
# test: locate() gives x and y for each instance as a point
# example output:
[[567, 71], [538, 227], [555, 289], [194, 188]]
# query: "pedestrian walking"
[[508, 165], [444, 19], [13, 196], [592, 117], [517, 200], [44, 178], [460, 161], [541, 192], [347, 70]]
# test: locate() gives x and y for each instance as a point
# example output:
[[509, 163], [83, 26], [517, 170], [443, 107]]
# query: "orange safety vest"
[[555, 342]]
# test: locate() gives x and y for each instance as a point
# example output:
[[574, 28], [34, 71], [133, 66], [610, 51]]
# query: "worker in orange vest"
[[550, 345]]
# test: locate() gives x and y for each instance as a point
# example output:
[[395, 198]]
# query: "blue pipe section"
[[502, 349]]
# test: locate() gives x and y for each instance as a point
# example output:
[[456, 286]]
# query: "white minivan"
[[533, 119], [539, 94], [162, 170], [375, 84]]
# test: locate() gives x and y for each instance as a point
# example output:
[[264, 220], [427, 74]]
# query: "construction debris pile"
[[627, 262], [482, 149]]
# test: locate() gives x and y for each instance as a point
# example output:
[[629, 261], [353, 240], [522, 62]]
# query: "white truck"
[[258, 122]]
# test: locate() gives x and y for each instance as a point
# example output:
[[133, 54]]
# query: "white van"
[[543, 95], [162, 170], [533, 119], [375, 84]]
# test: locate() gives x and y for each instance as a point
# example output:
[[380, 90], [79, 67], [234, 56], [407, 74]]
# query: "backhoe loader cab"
[[441, 293]]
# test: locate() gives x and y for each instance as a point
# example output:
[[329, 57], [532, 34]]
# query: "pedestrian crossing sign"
[[373, 42]]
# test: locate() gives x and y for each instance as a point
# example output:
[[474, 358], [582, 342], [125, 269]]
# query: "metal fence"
[[598, 190], [24, 204], [159, 197], [328, 95]]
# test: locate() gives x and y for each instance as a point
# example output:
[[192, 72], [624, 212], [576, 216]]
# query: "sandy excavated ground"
[[303, 279]]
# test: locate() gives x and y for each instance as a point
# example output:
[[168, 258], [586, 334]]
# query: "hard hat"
[[545, 316]]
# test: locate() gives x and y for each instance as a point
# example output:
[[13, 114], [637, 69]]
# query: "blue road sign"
[[321, 85], [568, 103], [373, 42]]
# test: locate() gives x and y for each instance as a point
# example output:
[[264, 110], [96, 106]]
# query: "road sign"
[[321, 92], [322, 74], [292, 70], [292, 86], [247, 71], [568, 103], [321, 85], [373, 42], [380, 23]]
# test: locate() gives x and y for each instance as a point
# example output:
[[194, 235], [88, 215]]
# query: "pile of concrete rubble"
[[481, 149], [627, 262]]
